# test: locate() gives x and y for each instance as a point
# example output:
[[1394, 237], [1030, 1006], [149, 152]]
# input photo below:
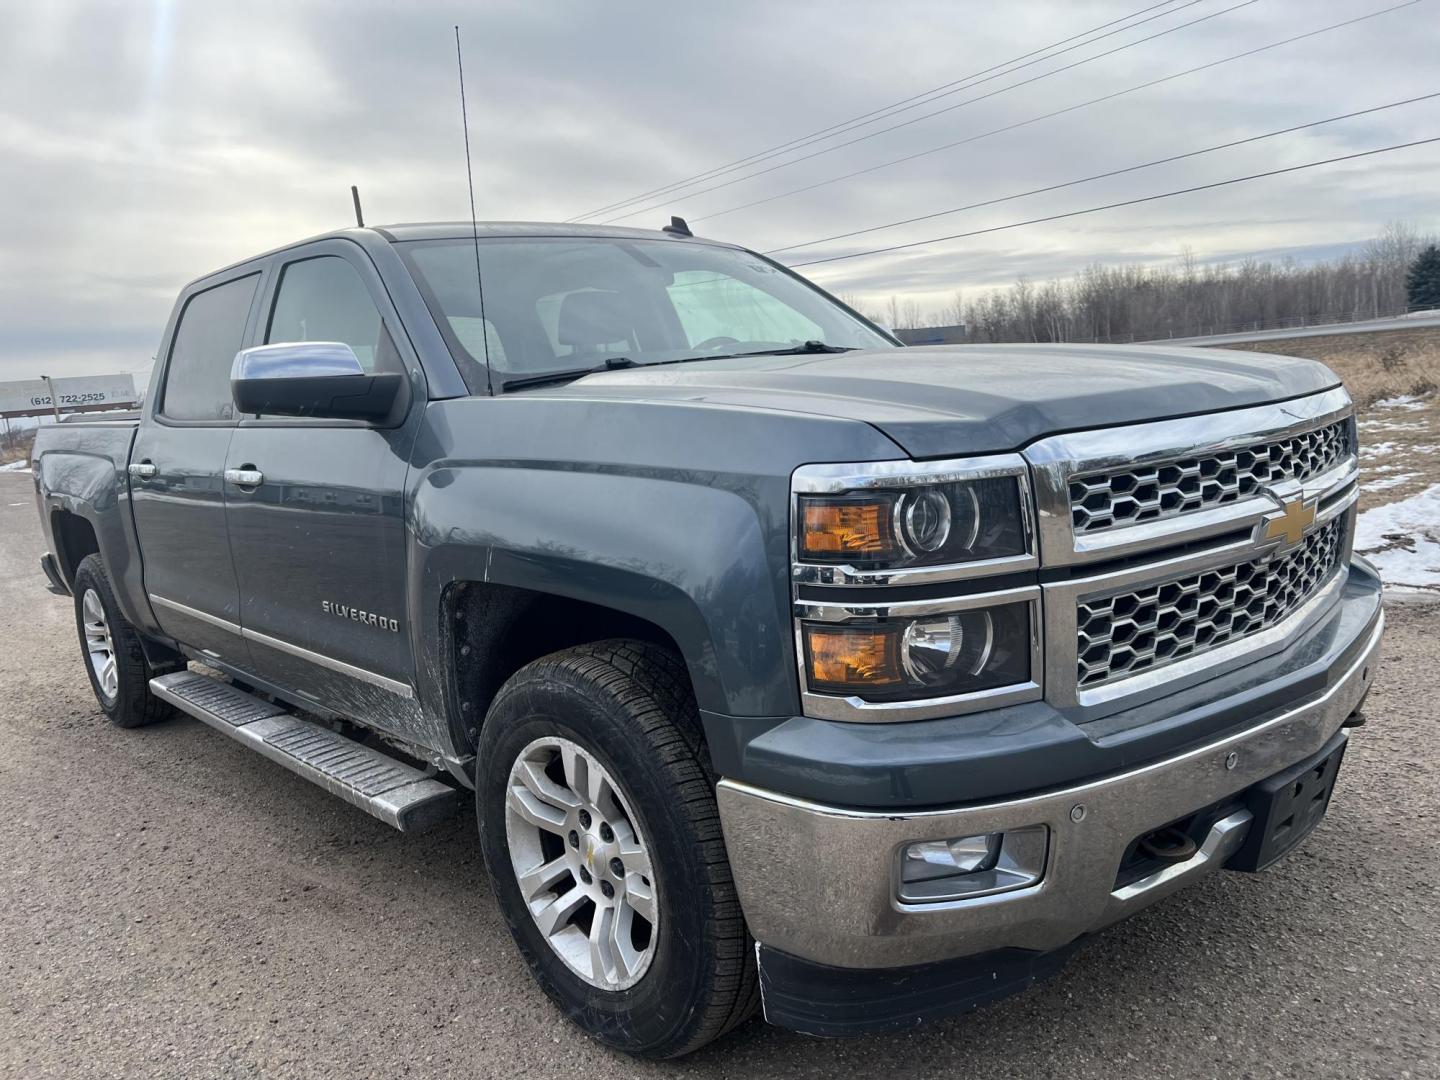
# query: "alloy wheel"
[[99, 648], [582, 865]]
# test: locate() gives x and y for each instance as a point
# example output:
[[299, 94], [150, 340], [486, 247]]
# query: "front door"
[[176, 478], [319, 540]]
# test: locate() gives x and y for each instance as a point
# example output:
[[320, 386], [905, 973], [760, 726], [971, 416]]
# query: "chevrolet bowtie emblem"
[[1290, 524]]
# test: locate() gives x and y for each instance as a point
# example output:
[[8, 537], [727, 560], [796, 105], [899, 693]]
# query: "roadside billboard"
[[31, 397]]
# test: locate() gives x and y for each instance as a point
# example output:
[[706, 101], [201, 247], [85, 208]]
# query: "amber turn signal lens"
[[831, 529], [852, 658]]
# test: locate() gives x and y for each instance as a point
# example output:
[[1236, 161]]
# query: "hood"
[[951, 400]]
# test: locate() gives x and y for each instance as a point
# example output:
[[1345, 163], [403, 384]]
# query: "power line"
[[893, 109], [1054, 113], [1116, 205], [949, 108], [1107, 175]]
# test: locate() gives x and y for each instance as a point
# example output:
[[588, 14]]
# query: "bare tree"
[[1393, 252], [1129, 303], [952, 312], [859, 303]]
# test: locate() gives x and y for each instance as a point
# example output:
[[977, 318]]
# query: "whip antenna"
[[474, 225]]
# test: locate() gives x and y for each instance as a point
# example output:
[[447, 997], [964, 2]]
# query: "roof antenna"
[[474, 225], [355, 198], [677, 227]]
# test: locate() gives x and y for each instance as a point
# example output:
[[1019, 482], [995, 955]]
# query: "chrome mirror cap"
[[296, 360]]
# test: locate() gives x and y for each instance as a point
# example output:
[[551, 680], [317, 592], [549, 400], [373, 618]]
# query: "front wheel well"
[[492, 631]]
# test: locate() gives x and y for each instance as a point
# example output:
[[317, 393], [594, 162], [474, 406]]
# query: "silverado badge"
[[354, 614]]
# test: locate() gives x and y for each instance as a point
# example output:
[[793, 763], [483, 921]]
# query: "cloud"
[[143, 145]]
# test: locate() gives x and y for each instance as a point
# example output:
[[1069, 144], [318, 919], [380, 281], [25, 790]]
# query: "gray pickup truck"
[[788, 667]]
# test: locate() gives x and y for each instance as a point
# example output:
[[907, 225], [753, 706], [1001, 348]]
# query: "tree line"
[[1185, 299]]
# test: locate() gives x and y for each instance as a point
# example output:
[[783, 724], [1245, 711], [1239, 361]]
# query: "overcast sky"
[[146, 143]]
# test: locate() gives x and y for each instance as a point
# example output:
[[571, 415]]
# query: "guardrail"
[[1257, 326]]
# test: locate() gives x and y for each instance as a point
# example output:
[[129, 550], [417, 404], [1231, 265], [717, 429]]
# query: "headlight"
[[932, 525], [926, 656], [879, 635]]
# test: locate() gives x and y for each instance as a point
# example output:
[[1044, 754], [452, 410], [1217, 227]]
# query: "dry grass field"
[[16, 446], [1394, 378], [1375, 367]]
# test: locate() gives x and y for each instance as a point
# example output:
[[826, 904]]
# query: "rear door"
[[320, 542], [176, 473]]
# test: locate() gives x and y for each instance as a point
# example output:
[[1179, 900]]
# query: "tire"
[[628, 708], [124, 697]]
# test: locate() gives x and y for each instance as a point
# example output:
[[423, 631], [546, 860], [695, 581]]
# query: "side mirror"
[[311, 378]]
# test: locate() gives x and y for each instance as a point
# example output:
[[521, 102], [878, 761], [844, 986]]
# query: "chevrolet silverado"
[[786, 668]]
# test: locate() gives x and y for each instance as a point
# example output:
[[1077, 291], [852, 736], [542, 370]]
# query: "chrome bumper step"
[[384, 787]]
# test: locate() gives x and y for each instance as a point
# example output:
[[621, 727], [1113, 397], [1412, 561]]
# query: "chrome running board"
[[396, 793]]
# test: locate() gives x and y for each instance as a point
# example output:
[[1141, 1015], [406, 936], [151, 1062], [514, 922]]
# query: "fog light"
[[971, 866], [943, 858]]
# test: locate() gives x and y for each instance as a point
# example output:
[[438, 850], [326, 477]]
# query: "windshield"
[[567, 303]]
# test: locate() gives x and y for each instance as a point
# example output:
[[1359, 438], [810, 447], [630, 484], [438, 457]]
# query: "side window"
[[716, 305], [211, 332], [323, 299]]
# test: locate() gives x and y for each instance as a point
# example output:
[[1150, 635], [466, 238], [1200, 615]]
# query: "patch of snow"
[[1392, 425], [16, 466], [1384, 483], [1405, 401], [1379, 449], [1402, 539]]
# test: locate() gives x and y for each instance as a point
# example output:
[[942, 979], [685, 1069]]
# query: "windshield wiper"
[[617, 363], [612, 363], [796, 350]]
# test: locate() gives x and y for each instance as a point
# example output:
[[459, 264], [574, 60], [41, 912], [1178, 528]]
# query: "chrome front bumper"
[[820, 882]]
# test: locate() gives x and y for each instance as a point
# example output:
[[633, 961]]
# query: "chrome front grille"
[[1167, 489], [1133, 631]]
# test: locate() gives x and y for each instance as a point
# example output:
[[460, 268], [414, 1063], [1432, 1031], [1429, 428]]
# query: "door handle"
[[246, 477], [143, 470]]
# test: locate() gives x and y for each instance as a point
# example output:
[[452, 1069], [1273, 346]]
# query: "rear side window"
[[323, 299], [211, 332]]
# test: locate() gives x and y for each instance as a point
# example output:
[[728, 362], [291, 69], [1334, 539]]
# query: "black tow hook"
[[1355, 719], [1168, 845]]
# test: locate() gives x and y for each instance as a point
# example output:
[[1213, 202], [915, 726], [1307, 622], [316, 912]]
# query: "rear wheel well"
[[74, 540], [493, 631]]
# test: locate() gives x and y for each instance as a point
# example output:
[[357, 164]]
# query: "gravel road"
[[173, 905]]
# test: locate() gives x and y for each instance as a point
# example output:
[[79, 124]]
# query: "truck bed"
[[82, 479]]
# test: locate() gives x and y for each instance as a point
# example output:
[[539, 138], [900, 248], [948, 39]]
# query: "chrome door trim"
[[395, 686], [1058, 458], [195, 613]]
